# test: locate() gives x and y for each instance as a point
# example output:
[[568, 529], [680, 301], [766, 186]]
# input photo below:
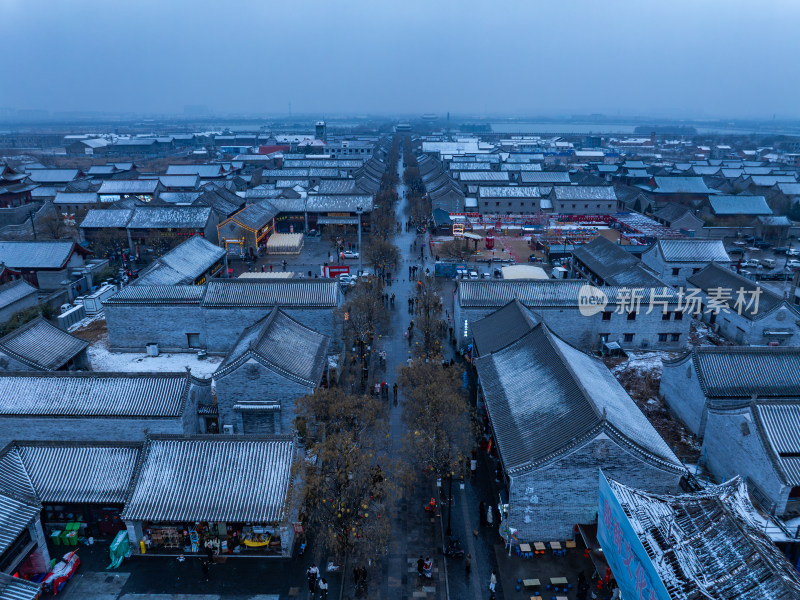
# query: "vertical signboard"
[[624, 553]]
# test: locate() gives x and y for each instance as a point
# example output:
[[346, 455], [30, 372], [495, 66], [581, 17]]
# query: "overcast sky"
[[692, 58]]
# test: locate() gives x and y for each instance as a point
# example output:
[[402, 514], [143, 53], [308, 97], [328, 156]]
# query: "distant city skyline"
[[626, 59]]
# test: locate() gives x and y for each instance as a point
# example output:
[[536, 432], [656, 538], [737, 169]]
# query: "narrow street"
[[415, 533]]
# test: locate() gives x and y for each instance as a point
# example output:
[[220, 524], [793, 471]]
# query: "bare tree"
[[457, 248], [440, 428], [382, 254], [364, 312], [428, 310], [346, 472]]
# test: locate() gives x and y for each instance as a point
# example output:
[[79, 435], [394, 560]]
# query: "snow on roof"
[[708, 544], [62, 393], [53, 175], [544, 396], [109, 217], [179, 217], [78, 472], [15, 290], [41, 345], [183, 264], [318, 293], [693, 251], [739, 205], [128, 186], [524, 191], [282, 344], [36, 255], [212, 478]]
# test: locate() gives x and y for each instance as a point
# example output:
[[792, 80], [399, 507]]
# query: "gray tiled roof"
[[584, 192], [715, 530], [74, 473], [257, 215], [284, 293], [108, 217], [478, 176], [42, 345], [283, 344], [128, 186], [179, 181], [604, 258], [183, 264], [342, 203], [544, 396], [671, 211], [76, 198], [36, 255], [521, 167], [158, 294], [681, 185], [742, 372], [204, 171], [781, 424], [534, 293], [14, 588], [180, 217], [15, 290], [14, 478], [524, 191], [503, 327], [53, 175], [693, 251], [739, 205], [212, 478], [15, 515], [338, 186], [715, 276], [545, 177], [770, 180], [62, 393]]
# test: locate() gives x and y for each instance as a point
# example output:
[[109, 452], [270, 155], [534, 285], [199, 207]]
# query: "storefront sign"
[[632, 568]]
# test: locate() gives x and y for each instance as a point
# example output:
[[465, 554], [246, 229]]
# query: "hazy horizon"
[[625, 59]]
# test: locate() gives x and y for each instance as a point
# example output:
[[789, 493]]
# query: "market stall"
[[284, 243]]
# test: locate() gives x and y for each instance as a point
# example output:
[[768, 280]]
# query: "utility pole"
[[33, 226], [450, 504]]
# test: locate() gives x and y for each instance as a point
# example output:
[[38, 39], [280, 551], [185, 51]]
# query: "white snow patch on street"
[[103, 359], [86, 321]]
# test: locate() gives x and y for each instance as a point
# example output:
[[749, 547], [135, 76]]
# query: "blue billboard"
[[632, 568]]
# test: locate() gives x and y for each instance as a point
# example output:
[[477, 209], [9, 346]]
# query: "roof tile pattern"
[[42, 345], [212, 478], [80, 473], [94, 394]]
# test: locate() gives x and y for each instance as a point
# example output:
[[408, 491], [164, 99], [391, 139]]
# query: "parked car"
[[473, 274], [485, 275], [347, 279], [779, 249], [498, 273], [751, 262], [793, 264], [792, 252], [365, 274], [749, 238], [762, 244], [768, 263], [735, 251], [350, 254]]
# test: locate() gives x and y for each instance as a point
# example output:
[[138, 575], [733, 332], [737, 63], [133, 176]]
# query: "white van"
[[769, 263]]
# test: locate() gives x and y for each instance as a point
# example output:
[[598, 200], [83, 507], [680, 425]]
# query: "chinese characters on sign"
[[690, 301]]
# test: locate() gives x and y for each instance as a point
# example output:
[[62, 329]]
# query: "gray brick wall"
[[584, 332], [130, 328], [741, 330], [727, 452], [547, 503], [252, 381], [87, 428], [681, 390]]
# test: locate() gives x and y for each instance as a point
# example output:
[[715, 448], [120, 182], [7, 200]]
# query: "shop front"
[[223, 538], [228, 493]]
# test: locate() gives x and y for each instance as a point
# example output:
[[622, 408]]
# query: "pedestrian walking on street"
[[391, 300], [323, 589], [420, 566], [482, 513], [468, 565], [205, 570], [270, 267], [493, 582], [312, 574], [489, 516], [210, 553], [395, 393]]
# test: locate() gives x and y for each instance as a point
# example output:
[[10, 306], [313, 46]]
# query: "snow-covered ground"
[[644, 362], [103, 359]]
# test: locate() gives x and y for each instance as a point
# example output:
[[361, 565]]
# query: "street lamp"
[[359, 212]]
